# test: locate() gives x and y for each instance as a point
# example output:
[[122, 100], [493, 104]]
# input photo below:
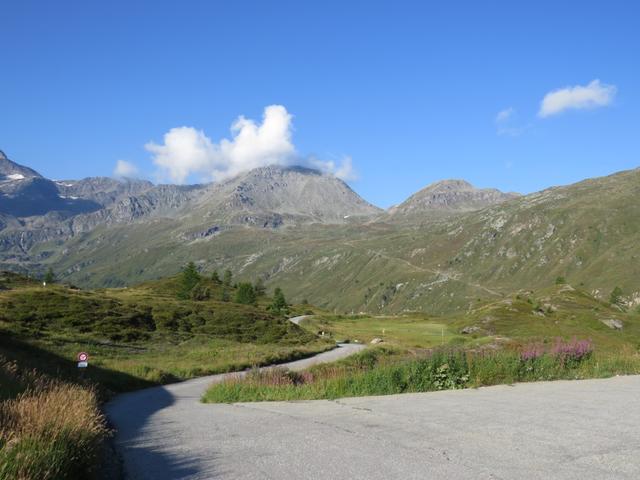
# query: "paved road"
[[297, 320], [555, 430], [149, 422]]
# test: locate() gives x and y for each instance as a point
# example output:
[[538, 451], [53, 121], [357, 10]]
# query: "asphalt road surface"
[[297, 320], [583, 430]]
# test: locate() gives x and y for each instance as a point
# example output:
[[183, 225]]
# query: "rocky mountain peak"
[[449, 186], [12, 171], [290, 193], [452, 195]]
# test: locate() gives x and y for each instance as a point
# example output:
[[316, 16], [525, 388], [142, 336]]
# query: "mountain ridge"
[[451, 195], [438, 260]]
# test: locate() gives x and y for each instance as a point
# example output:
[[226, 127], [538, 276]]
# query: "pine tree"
[[259, 288], [225, 295], [50, 277], [279, 303], [226, 279], [189, 279], [215, 278], [246, 294]]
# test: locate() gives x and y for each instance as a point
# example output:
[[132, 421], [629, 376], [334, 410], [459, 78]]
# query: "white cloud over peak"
[[187, 151], [578, 97], [343, 170], [125, 169]]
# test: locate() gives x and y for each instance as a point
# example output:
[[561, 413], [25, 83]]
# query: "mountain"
[[12, 171], [274, 196], [36, 211], [444, 249], [585, 234], [25, 193], [449, 196]]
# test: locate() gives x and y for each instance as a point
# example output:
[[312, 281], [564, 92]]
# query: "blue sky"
[[409, 92]]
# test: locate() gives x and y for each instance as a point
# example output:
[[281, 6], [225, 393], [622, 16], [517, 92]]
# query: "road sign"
[[83, 364], [83, 357]]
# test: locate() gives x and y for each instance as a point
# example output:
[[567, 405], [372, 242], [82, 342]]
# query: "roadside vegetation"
[[556, 333], [49, 429], [158, 332], [380, 371]]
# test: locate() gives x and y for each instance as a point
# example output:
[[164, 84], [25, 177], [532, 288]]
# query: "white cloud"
[[505, 123], [125, 169], [187, 151], [343, 170], [578, 97], [504, 115]]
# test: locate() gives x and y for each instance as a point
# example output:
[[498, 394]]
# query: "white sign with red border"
[[83, 360]]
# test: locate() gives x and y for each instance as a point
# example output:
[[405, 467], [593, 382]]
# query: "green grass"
[[557, 311], [383, 373], [406, 331], [143, 335]]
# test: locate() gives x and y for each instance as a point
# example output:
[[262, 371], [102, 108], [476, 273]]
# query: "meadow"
[[556, 333]]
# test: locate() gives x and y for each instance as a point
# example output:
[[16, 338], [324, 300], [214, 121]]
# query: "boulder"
[[613, 323], [470, 329]]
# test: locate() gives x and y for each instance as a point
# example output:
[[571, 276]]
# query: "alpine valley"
[[444, 249]]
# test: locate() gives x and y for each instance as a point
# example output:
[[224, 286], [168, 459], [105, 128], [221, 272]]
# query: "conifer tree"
[[188, 279], [246, 294]]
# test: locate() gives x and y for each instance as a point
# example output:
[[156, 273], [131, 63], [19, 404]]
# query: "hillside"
[[585, 232], [141, 335], [440, 251]]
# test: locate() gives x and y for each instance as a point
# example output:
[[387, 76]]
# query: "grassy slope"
[[586, 232], [559, 311], [405, 331], [411, 359], [140, 336]]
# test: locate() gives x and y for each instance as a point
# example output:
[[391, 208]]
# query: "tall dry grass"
[[51, 430]]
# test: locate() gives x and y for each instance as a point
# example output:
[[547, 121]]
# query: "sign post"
[[83, 362]]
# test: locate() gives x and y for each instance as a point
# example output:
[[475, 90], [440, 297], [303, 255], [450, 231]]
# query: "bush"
[[200, 292], [616, 297], [573, 351]]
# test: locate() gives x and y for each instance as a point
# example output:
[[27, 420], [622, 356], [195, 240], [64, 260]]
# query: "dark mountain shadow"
[[38, 196]]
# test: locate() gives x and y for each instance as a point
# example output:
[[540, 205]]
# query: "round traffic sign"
[[83, 356]]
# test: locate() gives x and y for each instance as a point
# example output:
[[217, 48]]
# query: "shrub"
[[200, 292], [532, 351], [616, 297], [573, 351]]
